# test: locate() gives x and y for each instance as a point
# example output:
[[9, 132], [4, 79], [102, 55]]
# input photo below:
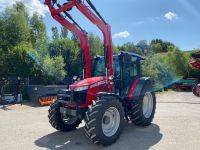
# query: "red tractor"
[[114, 91]]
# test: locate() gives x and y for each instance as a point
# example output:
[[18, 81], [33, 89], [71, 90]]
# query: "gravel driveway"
[[176, 127]]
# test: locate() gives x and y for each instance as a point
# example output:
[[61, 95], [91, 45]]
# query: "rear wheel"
[[104, 121], [60, 122], [144, 109], [194, 90]]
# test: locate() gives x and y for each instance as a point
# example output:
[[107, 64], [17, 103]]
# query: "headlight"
[[81, 88]]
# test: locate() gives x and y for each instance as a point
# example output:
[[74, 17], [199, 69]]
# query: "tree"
[[70, 51], [177, 62], [15, 43], [64, 32], [55, 33], [160, 46], [39, 37], [18, 63], [154, 66], [38, 31], [96, 45], [115, 49], [16, 27], [156, 47], [3, 43], [130, 47], [75, 38], [54, 68], [143, 46]]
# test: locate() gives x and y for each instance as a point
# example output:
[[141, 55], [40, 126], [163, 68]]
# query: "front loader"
[[60, 14], [116, 91]]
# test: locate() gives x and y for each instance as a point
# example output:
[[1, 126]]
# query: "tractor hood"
[[86, 82]]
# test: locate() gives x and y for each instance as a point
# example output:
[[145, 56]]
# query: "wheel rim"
[[69, 119], [110, 121], [147, 105]]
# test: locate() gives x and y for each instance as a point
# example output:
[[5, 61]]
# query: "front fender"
[[101, 94]]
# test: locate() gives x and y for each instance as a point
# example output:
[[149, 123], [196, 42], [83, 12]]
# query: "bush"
[[154, 66], [53, 68]]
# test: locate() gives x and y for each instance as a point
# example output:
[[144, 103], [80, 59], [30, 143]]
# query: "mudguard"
[[141, 82], [139, 86], [100, 94]]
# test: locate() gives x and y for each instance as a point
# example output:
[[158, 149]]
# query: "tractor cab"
[[126, 69]]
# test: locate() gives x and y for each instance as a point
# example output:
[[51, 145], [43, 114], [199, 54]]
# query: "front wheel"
[[143, 110], [61, 122], [104, 121]]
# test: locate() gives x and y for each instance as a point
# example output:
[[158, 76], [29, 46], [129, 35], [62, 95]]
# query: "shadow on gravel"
[[193, 103], [5, 107], [183, 90], [133, 137], [32, 104]]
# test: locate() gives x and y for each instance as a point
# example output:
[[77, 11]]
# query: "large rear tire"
[[144, 108], [104, 121], [59, 122]]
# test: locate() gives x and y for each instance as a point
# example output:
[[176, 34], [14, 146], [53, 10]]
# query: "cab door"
[[130, 72]]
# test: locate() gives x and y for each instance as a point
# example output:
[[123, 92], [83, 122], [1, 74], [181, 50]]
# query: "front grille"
[[79, 97], [73, 97], [64, 95]]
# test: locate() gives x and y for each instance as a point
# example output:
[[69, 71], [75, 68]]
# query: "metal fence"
[[31, 88]]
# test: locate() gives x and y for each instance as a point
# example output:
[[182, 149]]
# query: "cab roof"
[[125, 52], [132, 54]]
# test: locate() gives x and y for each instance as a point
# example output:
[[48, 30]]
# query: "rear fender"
[[139, 87]]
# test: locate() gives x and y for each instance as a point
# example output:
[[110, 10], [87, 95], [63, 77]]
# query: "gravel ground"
[[176, 126]]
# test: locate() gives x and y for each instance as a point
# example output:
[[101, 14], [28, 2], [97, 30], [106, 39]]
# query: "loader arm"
[[61, 15], [93, 15]]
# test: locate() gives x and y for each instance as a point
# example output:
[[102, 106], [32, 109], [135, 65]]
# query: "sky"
[[176, 21]]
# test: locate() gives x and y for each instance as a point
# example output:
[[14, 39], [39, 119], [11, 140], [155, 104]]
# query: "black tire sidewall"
[[100, 135], [57, 122], [143, 120], [153, 110]]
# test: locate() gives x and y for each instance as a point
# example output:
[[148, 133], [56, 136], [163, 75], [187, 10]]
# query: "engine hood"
[[86, 82]]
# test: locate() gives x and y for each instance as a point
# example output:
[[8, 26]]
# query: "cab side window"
[[133, 67], [131, 70]]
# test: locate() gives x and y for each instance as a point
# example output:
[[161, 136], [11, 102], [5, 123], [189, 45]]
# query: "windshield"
[[99, 66], [99, 69]]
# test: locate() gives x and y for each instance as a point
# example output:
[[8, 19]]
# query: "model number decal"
[[97, 84]]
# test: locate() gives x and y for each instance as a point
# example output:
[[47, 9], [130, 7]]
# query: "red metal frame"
[[84, 44], [195, 64], [104, 27]]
